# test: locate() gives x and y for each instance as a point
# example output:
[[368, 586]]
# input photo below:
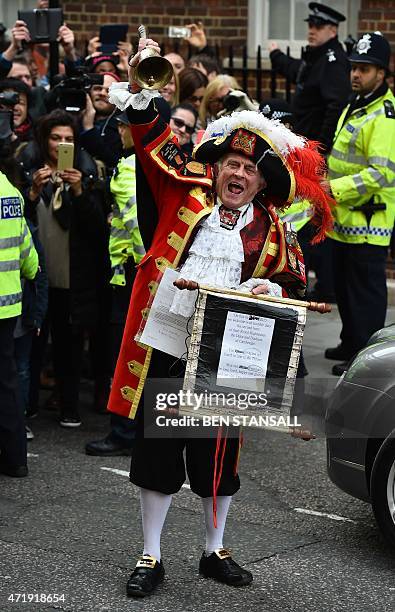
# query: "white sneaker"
[[29, 433]]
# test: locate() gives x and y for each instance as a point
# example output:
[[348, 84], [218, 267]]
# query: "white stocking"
[[214, 535], [154, 507]]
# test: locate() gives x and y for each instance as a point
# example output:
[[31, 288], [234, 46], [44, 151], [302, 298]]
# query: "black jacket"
[[323, 87], [86, 218], [103, 142]]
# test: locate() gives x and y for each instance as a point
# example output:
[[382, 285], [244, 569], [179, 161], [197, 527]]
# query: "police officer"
[[321, 76], [362, 179], [17, 256]]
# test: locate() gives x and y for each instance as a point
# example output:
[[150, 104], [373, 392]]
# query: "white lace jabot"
[[215, 257]]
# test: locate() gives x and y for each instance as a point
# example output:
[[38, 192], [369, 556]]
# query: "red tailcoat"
[[182, 189]]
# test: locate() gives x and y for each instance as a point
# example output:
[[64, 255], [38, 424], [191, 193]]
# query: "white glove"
[[120, 96]]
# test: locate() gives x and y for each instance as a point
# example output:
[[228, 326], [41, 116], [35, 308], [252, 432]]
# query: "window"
[[283, 21], [9, 10]]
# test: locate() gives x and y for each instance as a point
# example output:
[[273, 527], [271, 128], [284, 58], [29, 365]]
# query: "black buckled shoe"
[[220, 566], [145, 577]]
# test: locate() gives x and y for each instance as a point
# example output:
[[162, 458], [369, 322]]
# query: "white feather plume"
[[282, 138]]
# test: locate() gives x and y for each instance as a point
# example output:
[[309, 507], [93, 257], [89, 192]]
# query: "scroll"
[[243, 359]]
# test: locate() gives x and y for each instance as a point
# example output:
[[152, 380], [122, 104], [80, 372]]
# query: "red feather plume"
[[309, 169]]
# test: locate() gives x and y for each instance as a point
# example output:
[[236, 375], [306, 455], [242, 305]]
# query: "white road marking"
[[32, 455], [119, 472], [333, 517], [125, 473]]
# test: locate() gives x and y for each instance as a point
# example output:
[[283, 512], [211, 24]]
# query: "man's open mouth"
[[235, 188]]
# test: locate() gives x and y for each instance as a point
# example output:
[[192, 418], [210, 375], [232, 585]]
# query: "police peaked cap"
[[322, 15], [372, 48], [123, 118]]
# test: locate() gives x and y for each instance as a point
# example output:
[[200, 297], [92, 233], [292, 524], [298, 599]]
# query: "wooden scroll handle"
[[321, 307], [181, 283]]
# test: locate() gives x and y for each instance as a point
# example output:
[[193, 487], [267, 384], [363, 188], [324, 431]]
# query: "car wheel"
[[382, 489]]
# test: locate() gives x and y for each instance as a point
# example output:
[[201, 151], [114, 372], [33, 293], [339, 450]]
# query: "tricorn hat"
[[291, 165], [372, 48], [323, 15]]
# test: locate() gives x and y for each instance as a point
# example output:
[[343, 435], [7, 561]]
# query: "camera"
[[237, 100], [70, 92], [231, 102], [6, 125], [8, 98]]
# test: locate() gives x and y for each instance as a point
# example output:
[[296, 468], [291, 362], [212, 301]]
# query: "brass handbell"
[[153, 71]]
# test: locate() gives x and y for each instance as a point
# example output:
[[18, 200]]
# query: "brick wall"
[[225, 21], [378, 15]]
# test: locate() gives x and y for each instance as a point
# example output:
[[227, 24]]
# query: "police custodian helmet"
[[372, 48]]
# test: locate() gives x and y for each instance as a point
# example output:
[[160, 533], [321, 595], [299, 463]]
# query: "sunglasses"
[[180, 123]]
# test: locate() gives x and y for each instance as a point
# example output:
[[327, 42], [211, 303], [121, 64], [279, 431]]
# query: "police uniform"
[[125, 239], [17, 257], [362, 179], [322, 78]]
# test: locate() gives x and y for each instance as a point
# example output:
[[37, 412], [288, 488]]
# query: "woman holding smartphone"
[[71, 215]]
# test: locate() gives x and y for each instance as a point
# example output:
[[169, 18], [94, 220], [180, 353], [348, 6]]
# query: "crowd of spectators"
[[72, 319]]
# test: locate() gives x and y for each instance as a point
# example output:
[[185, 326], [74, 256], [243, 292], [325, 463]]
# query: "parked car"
[[360, 429]]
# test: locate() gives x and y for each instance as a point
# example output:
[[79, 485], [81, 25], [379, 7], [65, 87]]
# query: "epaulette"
[[389, 109], [179, 165]]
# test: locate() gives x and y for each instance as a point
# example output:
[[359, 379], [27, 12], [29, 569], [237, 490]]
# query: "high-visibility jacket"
[[125, 238], [361, 170], [17, 253], [298, 214]]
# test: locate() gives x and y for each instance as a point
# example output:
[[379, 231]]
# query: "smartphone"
[[65, 156], [178, 32], [110, 35], [43, 24]]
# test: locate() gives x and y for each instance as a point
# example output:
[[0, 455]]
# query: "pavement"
[[72, 528]]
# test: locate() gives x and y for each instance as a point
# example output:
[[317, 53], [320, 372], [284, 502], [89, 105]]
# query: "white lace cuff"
[[121, 97], [274, 290]]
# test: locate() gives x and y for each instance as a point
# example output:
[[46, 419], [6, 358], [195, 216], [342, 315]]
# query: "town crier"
[[215, 220]]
